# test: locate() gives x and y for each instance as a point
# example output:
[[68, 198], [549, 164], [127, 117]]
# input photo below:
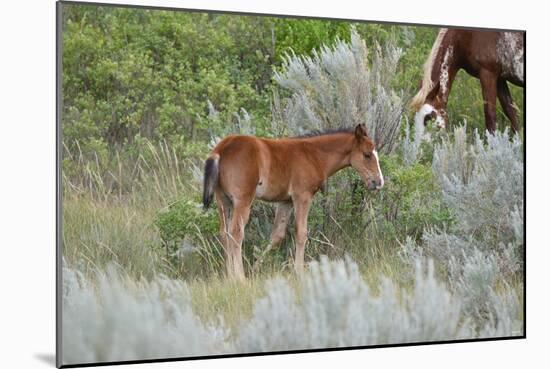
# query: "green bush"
[[411, 199], [188, 235], [185, 219]]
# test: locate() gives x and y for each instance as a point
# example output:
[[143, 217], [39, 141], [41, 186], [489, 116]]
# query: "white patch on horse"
[[510, 55], [379, 170], [444, 75], [419, 121], [419, 118], [439, 121]]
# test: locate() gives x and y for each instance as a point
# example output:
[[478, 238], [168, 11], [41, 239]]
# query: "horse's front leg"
[[302, 204], [489, 91], [278, 231]]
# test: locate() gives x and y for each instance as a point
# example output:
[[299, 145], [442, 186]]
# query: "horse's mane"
[[325, 132], [427, 83]]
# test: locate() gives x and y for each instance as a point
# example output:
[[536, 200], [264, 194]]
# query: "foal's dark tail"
[[211, 172]]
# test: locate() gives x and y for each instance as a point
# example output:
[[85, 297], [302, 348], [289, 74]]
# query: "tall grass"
[[110, 203]]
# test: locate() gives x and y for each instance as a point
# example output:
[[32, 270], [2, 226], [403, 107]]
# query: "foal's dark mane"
[[325, 132]]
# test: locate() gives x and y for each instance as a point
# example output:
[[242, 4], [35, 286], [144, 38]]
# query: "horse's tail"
[[211, 174], [427, 84]]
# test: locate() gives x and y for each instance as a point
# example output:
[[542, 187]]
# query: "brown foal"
[[288, 171]]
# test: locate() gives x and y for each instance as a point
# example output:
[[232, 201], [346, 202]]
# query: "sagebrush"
[[113, 317]]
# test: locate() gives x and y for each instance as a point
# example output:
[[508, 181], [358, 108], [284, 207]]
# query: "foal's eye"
[[367, 156]]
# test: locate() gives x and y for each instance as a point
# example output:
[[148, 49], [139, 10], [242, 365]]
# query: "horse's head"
[[434, 108], [364, 159]]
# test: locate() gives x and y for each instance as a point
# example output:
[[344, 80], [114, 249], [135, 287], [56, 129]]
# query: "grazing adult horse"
[[494, 57], [288, 171]]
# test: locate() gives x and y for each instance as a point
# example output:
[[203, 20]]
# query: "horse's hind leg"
[[507, 103], [239, 219], [282, 216], [224, 208]]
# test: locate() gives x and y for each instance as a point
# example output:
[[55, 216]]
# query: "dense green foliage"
[[185, 218], [145, 73], [151, 73]]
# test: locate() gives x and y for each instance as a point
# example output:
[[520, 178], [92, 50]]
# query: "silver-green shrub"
[[482, 184], [241, 123], [115, 318], [338, 86], [334, 307], [107, 316], [410, 146]]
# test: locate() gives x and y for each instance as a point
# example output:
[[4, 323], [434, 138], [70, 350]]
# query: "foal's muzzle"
[[375, 184]]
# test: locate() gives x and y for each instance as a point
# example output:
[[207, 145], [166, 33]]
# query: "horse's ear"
[[361, 131]]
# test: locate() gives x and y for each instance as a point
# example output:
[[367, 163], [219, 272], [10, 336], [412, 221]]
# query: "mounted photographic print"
[[237, 184]]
